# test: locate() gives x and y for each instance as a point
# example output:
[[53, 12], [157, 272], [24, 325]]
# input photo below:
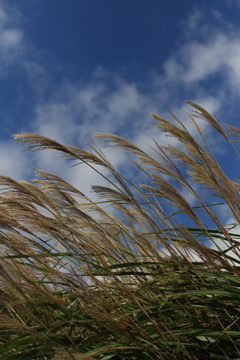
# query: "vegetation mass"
[[139, 273]]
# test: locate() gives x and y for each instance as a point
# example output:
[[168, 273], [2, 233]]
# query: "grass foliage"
[[128, 276]]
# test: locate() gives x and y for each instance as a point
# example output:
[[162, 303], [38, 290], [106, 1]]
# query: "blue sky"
[[69, 68]]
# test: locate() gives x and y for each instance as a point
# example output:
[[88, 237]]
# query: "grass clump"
[[130, 280]]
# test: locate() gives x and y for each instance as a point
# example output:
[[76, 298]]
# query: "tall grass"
[[128, 276]]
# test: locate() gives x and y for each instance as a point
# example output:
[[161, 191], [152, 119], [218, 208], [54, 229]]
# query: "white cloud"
[[124, 101], [197, 61], [13, 162], [17, 50], [11, 39], [77, 111]]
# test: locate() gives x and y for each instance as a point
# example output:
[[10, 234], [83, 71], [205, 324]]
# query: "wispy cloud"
[[197, 61], [207, 51], [11, 38]]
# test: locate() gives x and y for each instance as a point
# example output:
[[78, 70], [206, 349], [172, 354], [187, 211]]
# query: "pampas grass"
[[130, 280]]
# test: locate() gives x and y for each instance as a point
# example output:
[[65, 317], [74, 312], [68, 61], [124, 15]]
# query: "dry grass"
[[130, 280]]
